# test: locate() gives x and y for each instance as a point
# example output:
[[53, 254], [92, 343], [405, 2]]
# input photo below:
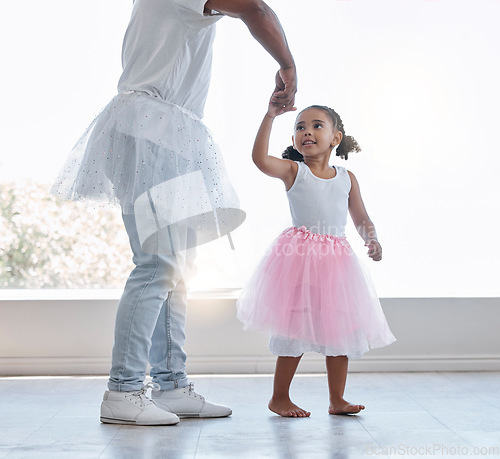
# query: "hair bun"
[[346, 146], [292, 154]]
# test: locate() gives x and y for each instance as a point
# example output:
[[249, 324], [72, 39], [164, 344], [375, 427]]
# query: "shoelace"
[[192, 391], [140, 398]]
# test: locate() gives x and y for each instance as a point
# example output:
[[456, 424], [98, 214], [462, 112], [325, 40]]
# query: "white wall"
[[74, 336]]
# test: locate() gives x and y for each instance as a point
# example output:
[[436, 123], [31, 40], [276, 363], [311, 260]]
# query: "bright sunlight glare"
[[415, 81]]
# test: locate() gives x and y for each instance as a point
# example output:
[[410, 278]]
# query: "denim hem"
[[171, 385], [124, 387]]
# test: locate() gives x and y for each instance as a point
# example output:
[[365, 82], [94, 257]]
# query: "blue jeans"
[[150, 319]]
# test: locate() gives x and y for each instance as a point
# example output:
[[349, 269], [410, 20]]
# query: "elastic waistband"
[[163, 101], [304, 233]]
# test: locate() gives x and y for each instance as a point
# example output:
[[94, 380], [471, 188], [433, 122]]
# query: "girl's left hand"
[[374, 249]]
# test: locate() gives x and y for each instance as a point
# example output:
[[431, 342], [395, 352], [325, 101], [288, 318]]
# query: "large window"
[[414, 81]]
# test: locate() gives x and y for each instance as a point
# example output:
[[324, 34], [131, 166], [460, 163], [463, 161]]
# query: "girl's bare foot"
[[287, 409], [344, 407]]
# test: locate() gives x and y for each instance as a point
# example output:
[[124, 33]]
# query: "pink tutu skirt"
[[311, 293]]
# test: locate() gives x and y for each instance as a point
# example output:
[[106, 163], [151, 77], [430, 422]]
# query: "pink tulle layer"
[[311, 293]]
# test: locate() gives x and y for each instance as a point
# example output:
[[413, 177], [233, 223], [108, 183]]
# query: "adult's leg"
[[146, 291], [336, 368], [280, 402], [167, 356], [168, 359]]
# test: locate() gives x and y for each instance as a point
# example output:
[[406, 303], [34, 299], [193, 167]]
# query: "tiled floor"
[[407, 415]]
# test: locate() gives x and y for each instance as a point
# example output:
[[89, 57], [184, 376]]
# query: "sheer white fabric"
[[148, 150]]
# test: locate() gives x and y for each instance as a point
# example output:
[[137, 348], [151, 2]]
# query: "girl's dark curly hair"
[[346, 146]]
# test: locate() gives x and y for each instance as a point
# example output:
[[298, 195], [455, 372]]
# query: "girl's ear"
[[293, 141], [337, 138]]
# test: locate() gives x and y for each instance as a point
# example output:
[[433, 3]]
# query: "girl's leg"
[[280, 402], [336, 368]]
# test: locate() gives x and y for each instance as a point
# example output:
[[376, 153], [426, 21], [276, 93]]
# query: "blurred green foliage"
[[49, 243]]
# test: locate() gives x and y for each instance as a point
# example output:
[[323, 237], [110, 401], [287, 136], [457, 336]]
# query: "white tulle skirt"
[[311, 293], [159, 162]]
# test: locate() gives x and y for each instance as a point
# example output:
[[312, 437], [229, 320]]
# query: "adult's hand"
[[286, 87], [266, 29]]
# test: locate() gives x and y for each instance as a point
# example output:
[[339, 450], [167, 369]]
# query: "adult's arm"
[[266, 29]]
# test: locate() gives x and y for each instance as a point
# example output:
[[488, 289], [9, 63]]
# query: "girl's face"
[[314, 133]]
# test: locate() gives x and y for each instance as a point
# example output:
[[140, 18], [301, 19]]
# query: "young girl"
[[310, 291]]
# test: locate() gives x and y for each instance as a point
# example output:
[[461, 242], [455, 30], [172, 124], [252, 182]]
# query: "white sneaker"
[[186, 403], [134, 408]]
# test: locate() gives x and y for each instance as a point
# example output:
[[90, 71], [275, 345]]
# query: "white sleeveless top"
[[167, 52], [320, 205]]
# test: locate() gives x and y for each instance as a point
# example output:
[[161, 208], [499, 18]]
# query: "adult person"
[[149, 151]]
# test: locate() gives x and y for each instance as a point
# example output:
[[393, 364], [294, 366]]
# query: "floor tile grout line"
[[427, 411], [198, 440], [358, 419], [469, 390], [110, 440], [20, 445], [463, 439], [202, 421]]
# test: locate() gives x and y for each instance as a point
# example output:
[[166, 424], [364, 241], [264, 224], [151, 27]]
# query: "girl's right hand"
[[274, 110], [286, 87]]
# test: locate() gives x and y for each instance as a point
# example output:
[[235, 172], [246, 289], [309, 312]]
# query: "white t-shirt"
[[167, 52]]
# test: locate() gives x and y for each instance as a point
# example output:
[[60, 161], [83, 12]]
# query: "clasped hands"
[[284, 92]]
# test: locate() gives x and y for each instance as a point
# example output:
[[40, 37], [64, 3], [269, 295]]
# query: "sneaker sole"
[[134, 423], [198, 415]]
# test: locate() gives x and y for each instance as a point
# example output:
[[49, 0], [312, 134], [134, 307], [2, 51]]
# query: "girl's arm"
[[362, 222], [266, 29], [283, 169]]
